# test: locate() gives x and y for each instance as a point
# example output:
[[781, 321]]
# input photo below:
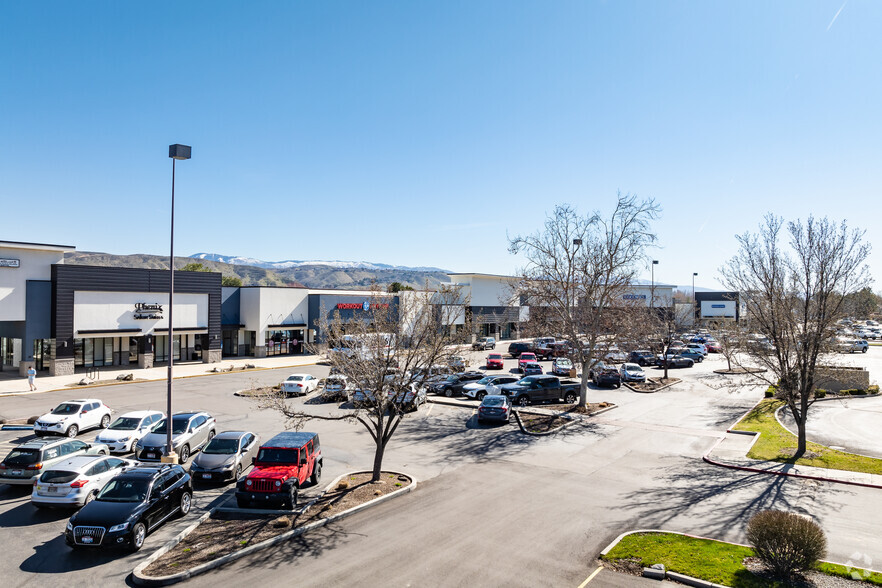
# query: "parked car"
[[453, 385], [544, 351], [336, 388], [543, 341], [283, 465], [26, 462], [495, 361], [299, 385], [846, 345], [675, 360], [72, 417], [225, 456], [713, 346], [190, 432], [484, 343], [407, 400], [525, 358], [76, 481], [124, 432], [479, 388], [700, 347], [458, 362], [544, 388], [532, 369], [515, 349], [561, 366], [495, 408], [642, 357], [606, 376], [693, 354], [131, 505], [609, 353], [631, 372]]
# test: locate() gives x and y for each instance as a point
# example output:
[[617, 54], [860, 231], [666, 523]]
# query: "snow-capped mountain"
[[289, 263]]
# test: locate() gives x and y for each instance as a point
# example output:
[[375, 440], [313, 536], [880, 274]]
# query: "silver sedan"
[[225, 457]]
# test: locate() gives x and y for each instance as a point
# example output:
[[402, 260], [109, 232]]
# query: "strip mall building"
[[67, 318]]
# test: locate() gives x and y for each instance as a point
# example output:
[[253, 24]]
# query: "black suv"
[[642, 357], [131, 505], [453, 385], [515, 349]]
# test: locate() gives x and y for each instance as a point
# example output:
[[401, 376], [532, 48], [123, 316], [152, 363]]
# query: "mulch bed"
[[652, 384], [262, 391], [225, 532], [542, 423]]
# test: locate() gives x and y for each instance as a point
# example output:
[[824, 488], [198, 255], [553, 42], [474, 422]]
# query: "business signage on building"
[[365, 306], [146, 310], [634, 297], [718, 306], [9, 262]]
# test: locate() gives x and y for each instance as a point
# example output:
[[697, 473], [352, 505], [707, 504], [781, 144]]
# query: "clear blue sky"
[[422, 133]]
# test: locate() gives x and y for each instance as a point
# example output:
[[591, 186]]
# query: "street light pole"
[[693, 286], [176, 152], [652, 288]]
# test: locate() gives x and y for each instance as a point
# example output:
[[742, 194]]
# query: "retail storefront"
[[352, 305], [271, 321]]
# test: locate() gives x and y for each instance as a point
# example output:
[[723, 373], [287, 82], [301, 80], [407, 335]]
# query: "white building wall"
[[34, 264], [116, 310], [261, 307], [717, 308], [491, 291]]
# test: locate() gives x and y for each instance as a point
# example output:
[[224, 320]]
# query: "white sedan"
[[76, 481], [125, 431], [299, 385]]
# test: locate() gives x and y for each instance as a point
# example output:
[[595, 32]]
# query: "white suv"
[[126, 430], [71, 417]]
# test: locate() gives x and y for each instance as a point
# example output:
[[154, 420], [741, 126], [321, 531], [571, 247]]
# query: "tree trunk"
[[378, 460], [583, 387], [800, 436]]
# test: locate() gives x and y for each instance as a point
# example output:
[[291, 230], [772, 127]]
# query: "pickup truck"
[[533, 389]]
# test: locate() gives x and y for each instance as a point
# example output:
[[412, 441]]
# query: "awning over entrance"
[[184, 331], [109, 333]]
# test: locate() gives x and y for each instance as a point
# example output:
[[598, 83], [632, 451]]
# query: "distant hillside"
[[294, 263], [320, 276]]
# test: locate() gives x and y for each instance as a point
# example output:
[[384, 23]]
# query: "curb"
[[689, 580], [780, 422], [628, 386], [141, 580], [142, 381], [543, 433]]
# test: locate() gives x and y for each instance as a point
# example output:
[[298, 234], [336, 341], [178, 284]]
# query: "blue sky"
[[424, 133]]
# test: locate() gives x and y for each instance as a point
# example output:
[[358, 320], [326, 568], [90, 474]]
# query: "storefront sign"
[[718, 306], [365, 306], [10, 262], [145, 310], [634, 297]]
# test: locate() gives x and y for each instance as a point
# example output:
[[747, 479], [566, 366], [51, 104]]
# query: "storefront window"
[[284, 342], [79, 357], [133, 350]]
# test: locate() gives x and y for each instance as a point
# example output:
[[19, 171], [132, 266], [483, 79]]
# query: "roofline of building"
[[38, 246]]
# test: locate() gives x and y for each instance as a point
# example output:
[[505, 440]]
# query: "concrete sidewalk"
[[17, 385], [731, 452]]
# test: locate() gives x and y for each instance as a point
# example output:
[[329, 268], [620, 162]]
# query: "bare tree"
[[578, 271], [389, 351], [794, 294], [667, 326]]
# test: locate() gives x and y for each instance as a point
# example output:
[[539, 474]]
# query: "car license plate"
[[206, 476], [16, 472], [151, 455], [86, 539]]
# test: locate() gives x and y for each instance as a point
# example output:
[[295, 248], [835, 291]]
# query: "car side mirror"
[[253, 460], [302, 461]]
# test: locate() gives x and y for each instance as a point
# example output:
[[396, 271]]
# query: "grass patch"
[[709, 560], [778, 444]]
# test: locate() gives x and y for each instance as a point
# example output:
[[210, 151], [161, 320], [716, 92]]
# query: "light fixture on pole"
[[693, 286], [176, 152], [652, 288]]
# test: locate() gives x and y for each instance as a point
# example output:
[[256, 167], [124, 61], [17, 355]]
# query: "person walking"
[[32, 373]]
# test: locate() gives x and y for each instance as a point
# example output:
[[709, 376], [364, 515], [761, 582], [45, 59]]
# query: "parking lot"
[[555, 500]]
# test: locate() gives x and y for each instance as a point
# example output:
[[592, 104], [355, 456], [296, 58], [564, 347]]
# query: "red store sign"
[[359, 306]]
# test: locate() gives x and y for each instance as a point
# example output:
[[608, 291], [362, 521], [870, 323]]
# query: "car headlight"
[[123, 440], [247, 482], [69, 526], [278, 483], [121, 527]]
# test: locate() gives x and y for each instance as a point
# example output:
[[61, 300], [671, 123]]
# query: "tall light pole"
[[652, 288], [693, 286], [576, 244], [176, 152]]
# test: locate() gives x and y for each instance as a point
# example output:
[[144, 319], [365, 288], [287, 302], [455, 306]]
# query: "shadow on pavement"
[[55, 557]]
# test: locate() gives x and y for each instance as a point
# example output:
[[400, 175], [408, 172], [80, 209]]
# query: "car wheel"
[[238, 471], [185, 454], [618, 385], [570, 398], [139, 533], [316, 474], [242, 502], [291, 502], [864, 350], [524, 401], [72, 431], [105, 421], [481, 395], [186, 503], [211, 435], [448, 392]]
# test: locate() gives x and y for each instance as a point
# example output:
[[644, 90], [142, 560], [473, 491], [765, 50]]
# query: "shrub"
[[786, 542], [820, 393], [342, 485], [874, 389], [771, 390]]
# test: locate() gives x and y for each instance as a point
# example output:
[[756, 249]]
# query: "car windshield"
[[273, 455], [67, 408], [495, 356], [295, 378], [452, 378], [485, 380], [125, 424], [179, 426], [493, 401], [564, 362], [222, 446], [22, 457], [124, 490], [527, 381], [633, 368]]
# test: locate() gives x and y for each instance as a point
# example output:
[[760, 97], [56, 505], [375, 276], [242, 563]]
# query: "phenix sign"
[[365, 306], [146, 310]]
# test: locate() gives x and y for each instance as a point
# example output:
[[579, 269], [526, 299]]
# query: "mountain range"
[[292, 263]]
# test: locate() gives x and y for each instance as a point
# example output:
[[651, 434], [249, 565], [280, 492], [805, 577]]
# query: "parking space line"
[[591, 577]]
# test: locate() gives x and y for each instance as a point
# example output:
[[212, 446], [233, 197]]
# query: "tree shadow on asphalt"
[[26, 514], [55, 557], [697, 489]]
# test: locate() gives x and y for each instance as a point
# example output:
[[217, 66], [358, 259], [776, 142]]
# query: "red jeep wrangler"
[[283, 464]]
